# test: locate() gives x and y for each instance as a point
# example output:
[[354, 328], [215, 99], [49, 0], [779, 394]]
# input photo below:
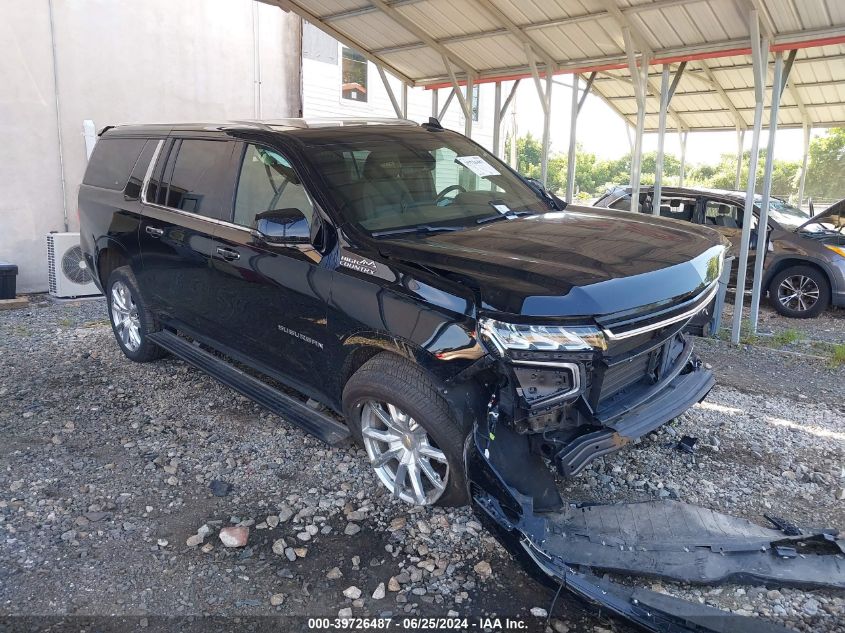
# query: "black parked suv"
[[406, 280]]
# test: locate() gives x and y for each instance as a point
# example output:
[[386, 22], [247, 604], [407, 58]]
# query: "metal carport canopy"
[[712, 57], [499, 40]]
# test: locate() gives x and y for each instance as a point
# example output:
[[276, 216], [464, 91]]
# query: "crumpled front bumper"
[[564, 546], [690, 385]]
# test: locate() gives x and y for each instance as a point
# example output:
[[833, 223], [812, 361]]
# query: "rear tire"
[[395, 411], [131, 320], [800, 292]]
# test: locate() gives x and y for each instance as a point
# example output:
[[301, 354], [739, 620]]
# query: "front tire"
[[394, 410], [800, 292], [131, 320]]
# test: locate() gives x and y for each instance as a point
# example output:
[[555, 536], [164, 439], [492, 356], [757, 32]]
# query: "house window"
[[354, 76], [475, 103]]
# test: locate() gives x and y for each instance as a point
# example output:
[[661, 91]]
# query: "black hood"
[[580, 262]]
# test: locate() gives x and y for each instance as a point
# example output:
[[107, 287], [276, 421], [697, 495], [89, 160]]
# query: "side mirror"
[[283, 226]]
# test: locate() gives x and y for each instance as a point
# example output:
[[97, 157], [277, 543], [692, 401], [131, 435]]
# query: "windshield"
[[785, 214], [387, 180]]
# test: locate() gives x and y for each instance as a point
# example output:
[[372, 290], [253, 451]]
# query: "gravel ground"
[[828, 327], [105, 468]]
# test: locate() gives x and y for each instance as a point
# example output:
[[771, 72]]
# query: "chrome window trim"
[[575, 368], [708, 296], [148, 176]]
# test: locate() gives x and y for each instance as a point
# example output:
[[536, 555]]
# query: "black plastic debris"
[[787, 527], [687, 444], [565, 545], [220, 488]]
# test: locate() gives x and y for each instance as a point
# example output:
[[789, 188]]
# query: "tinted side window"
[[193, 185], [718, 213], [267, 182], [132, 191], [112, 161], [677, 208], [622, 204]]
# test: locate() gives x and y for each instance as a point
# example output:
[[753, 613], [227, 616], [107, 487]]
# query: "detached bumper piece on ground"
[[565, 545]]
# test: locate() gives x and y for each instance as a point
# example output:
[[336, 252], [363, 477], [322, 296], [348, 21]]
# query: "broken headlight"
[[541, 338], [549, 362]]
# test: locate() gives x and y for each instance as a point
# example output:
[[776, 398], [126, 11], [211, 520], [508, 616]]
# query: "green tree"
[[529, 151], [826, 170]]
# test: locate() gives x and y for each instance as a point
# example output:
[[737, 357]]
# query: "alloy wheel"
[[124, 316], [405, 458], [798, 292]]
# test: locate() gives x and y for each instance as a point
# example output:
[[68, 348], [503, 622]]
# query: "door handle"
[[154, 231], [228, 254]]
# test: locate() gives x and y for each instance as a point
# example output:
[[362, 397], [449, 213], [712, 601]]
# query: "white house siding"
[[321, 92], [122, 62]]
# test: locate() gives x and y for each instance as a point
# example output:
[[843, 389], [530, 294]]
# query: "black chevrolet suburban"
[[402, 278], [399, 284]]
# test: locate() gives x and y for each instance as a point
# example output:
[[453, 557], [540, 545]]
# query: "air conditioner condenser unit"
[[68, 271]]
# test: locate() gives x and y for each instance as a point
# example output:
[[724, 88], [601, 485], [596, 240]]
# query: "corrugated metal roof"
[[498, 39]]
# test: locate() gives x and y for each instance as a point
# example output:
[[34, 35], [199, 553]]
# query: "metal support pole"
[[468, 108], [759, 57], [434, 108], [806, 155], [682, 168], [763, 223], [445, 107], [547, 128], [639, 77], [740, 143], [497, 119], [573, 125], [58, 106], [546, 103], [661, 138], [577, 106], [396, 107], [404, 100]]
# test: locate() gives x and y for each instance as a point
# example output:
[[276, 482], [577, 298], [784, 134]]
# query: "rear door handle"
[[228, 254], [154, 231]]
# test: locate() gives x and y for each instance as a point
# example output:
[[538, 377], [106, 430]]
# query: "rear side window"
[[112, 162], [196, 177], [132, 191]]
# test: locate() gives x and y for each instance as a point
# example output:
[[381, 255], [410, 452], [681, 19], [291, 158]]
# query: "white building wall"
[[122, 62], [321, 93]]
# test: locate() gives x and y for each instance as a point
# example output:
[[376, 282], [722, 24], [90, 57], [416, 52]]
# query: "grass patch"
[[837, 355], [746, 336], [787, 337], [66, 322]]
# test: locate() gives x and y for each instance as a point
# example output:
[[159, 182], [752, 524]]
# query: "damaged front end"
[[562, 396], [568, 545]]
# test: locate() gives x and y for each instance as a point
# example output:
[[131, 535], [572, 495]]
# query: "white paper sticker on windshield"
[[478, 165]]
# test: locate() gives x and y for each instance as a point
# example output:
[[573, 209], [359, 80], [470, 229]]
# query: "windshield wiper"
[[510, 215], [422, 229]]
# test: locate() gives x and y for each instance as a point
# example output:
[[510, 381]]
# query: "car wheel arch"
[[463, 400], [110, 255], [363, 345], [788, 262]]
